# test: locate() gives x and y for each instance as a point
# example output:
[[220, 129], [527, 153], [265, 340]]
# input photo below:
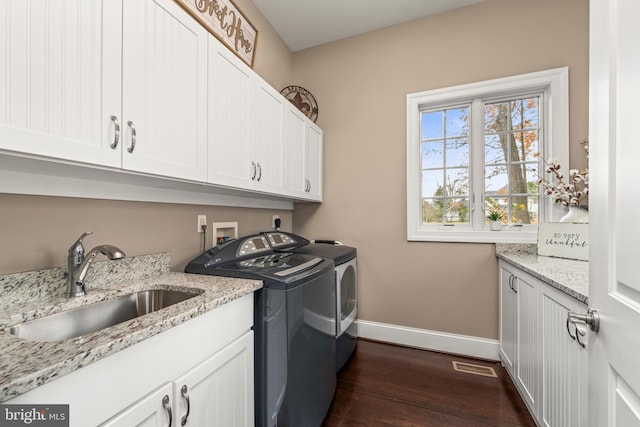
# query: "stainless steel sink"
[[94, 317]]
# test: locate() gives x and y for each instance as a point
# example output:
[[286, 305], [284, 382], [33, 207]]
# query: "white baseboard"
[[429, 340]]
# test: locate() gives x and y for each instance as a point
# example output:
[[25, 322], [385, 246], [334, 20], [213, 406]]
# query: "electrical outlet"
[[202, 220], [273, 220]]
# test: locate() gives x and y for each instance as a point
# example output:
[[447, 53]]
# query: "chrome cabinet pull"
[[116, 137], [167, 407], [591, 319], [259, 172], [255, 171], [512, 283], [185, 396], [133, 136]]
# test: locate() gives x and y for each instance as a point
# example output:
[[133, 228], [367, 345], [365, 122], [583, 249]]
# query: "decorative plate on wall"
[[303, 100]]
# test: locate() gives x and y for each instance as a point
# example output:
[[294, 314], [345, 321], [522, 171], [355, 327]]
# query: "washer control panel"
[[253, 245]]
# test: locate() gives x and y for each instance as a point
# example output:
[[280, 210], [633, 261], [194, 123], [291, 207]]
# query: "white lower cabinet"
[[216, 392], [548, 367], [154, 410], [200, 371], [564, 363]]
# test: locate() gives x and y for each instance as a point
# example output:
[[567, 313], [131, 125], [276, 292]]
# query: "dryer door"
[[346, 294]]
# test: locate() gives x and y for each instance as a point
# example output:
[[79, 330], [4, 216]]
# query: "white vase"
[[495, 226], [576, 215]]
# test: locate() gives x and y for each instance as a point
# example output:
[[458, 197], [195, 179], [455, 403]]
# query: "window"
[[478, 148]]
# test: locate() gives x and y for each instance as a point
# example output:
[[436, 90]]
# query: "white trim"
[[483, 348], [555, 85]]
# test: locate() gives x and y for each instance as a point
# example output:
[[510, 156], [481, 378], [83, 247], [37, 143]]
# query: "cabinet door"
[[295, 135], [153, 410], [564, 363], [59, 79], [164, 88], [528, 358], [508, 319], [266, 123], [229, 101], [218, 391], [313, 163]]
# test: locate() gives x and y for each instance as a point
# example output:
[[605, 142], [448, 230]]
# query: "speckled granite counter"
[[26, 364], [569, 276]]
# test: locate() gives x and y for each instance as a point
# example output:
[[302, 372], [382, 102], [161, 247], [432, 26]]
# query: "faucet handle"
[[77, 246]]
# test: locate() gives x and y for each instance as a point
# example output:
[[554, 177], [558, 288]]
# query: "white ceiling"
[[306, 23]]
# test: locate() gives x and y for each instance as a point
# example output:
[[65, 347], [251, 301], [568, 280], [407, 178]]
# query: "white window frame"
[[554, 85]]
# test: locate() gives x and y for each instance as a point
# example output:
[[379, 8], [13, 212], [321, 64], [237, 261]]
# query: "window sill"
[[450, 234]]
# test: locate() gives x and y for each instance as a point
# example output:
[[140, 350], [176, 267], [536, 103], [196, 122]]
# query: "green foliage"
[[495, 215]]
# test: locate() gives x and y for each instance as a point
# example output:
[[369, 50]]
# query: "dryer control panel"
[[280, 240]]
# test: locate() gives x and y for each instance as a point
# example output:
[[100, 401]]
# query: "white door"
[[230, 86], [508, 318], [164, 90], [313, 162], [266, 123], [614, 282], [154, 410], [60, 79], [219, 391], [295, 130]]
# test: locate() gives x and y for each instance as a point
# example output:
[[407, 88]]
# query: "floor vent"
[[468, 368]]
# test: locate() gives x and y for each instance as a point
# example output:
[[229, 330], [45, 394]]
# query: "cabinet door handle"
[[591, 319], [133, 136], [259, 172], [185, 395], [512, 283], [116, 137], [167, 407], [255, 171]]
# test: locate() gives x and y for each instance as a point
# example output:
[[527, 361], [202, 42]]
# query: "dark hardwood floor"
[[386, 385]]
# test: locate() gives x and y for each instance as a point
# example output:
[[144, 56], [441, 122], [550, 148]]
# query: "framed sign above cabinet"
[[225, 20]]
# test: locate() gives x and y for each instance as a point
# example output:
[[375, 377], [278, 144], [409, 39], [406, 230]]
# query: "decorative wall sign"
[[564, 240], [303, 100], [223, 19]]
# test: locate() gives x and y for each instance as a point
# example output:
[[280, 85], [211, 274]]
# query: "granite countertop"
[[26, 364], [567, 275]]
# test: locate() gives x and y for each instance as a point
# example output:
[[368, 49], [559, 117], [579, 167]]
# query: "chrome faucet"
[[79, 263]]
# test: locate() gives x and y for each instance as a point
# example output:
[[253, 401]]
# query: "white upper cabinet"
[[229, 132], [141, 86], [164, 89], [302, 156], [266, 117], [245, 125], [80, 78], [295, 135], [51, 79], [313, 163]]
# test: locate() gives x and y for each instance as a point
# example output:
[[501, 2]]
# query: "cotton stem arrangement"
[[568, 191]]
